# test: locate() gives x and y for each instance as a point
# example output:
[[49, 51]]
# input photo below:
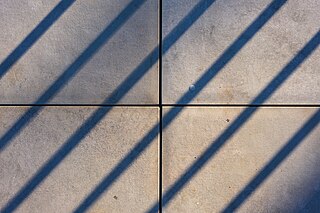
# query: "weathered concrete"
[[84, 168], [290, 186], [66, 159], [255, 65], [92, 76]]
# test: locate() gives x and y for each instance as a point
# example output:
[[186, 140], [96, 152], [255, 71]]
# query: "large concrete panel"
[[67, 154], [264, 159], [78, 51], [214, 62]]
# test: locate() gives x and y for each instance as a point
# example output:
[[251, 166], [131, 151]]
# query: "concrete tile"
[[250, 64], [95, 150], [236, 154], [81, 53]]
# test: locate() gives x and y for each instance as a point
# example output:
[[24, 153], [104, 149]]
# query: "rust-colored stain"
[[226, 94], [15, 75]]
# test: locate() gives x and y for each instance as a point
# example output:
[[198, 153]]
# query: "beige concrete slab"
[[224, 161], [78, 51], [273, 39], [40, 173]]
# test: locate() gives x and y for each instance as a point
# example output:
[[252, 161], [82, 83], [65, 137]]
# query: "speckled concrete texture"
[[272, 160], [81, 106], [253, 60], [78, 51], [63, 183]]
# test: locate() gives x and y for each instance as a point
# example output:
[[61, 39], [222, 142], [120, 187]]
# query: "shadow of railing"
[[168, 118], [73, 69], [270, 167], [99, 114], [34, 35], [276, 82]]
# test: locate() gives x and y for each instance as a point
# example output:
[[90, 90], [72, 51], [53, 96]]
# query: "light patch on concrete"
[[287, 189], [123, 46], [86, 165], [257, 63]]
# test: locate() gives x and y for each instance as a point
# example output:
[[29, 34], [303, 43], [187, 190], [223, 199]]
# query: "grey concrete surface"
[[125, 43], [255, 65], [288, 188], [71, 181], [99, 159]]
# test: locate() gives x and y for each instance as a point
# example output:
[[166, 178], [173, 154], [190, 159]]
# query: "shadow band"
[[270, 167], [89, 124], [170, 39], [71, 71], [301, 56], [34, 35]]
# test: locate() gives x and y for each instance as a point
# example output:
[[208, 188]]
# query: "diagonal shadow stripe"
[[93, 120], [270, 167], [77, 137], [168, 41], [34, 35], [168, 118], [232, 50], [185, 23], [301, 56], [71, 71]]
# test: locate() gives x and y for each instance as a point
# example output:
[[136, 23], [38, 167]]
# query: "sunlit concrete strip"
[[130, 38], [99, 151], [91, 122], [216, 145], [275, 162], [71, 71], [168, 118], [254, 66], [241, 158], [34, 35]]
